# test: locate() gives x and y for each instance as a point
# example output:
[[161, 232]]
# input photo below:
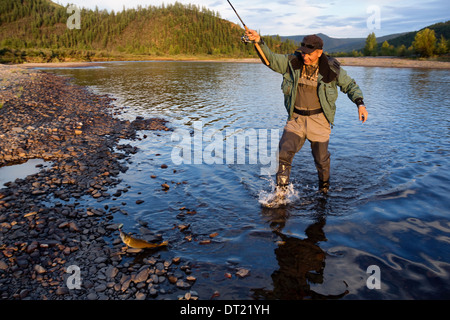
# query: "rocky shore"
[[52, 244]]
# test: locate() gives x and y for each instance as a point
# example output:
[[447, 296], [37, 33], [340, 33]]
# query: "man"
[[310, 80]]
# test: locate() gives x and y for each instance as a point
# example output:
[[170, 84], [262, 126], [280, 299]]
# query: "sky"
[[335, 18]]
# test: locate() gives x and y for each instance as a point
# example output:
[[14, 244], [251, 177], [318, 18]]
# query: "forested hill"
[[37, 30]]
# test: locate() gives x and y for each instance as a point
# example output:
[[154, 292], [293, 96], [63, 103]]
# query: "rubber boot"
[[322, 161], [283, 174], [324, 186], [290, 144]]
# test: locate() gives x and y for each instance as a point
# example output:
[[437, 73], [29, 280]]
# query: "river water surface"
[[382, 232]]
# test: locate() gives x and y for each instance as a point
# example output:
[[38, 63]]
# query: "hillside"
[[332, 45], [36, 30], [406, 39]]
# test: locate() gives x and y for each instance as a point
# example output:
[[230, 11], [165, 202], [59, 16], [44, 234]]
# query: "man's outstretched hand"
[[252, 35]]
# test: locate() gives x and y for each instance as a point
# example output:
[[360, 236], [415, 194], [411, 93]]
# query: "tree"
[[442, 47], [385, 49], [370, 49], [425, 42], [401, 51]]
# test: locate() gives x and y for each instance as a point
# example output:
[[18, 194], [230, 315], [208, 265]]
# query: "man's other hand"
[[362, 113]]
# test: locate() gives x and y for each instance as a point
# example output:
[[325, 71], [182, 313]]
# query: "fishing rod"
[[245, 38]]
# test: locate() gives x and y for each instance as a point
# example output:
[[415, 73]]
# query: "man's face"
[[313, 57]]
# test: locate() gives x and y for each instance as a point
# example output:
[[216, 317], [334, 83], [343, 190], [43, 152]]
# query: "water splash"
[[278, 197]]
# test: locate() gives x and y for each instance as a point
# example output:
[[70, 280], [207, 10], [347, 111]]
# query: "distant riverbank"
[[391, 62], [83, 64]]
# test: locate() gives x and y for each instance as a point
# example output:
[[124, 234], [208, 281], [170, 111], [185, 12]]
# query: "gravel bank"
[[52, 245]]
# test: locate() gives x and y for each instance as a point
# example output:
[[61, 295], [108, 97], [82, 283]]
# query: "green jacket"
[[330, 76]]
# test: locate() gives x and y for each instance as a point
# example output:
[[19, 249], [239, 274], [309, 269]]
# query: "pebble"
[[242, 272], [173, 279], [100, 260], [153, 292], [182, 284], [100, 288], [140, 296], [154, 278], [3, 265], [39, 269], [92, 296], [165, 186], [142, 276], [111, 272], [62, 290]]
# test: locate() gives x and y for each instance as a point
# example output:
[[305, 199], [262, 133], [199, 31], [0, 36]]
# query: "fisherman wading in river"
[[310, 81]]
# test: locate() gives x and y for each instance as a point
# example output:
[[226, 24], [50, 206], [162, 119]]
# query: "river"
[[382, 232]]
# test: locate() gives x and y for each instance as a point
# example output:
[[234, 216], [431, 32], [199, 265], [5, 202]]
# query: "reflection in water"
[[301, 261], [21, 170]]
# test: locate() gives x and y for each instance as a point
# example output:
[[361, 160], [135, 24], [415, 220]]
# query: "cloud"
[[338, 18], [350, 18], [410, 17]]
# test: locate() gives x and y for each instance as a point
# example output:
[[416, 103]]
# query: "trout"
[[139, 243]]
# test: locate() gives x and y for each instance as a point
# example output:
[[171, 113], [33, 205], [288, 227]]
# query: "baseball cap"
[[311, 43]]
